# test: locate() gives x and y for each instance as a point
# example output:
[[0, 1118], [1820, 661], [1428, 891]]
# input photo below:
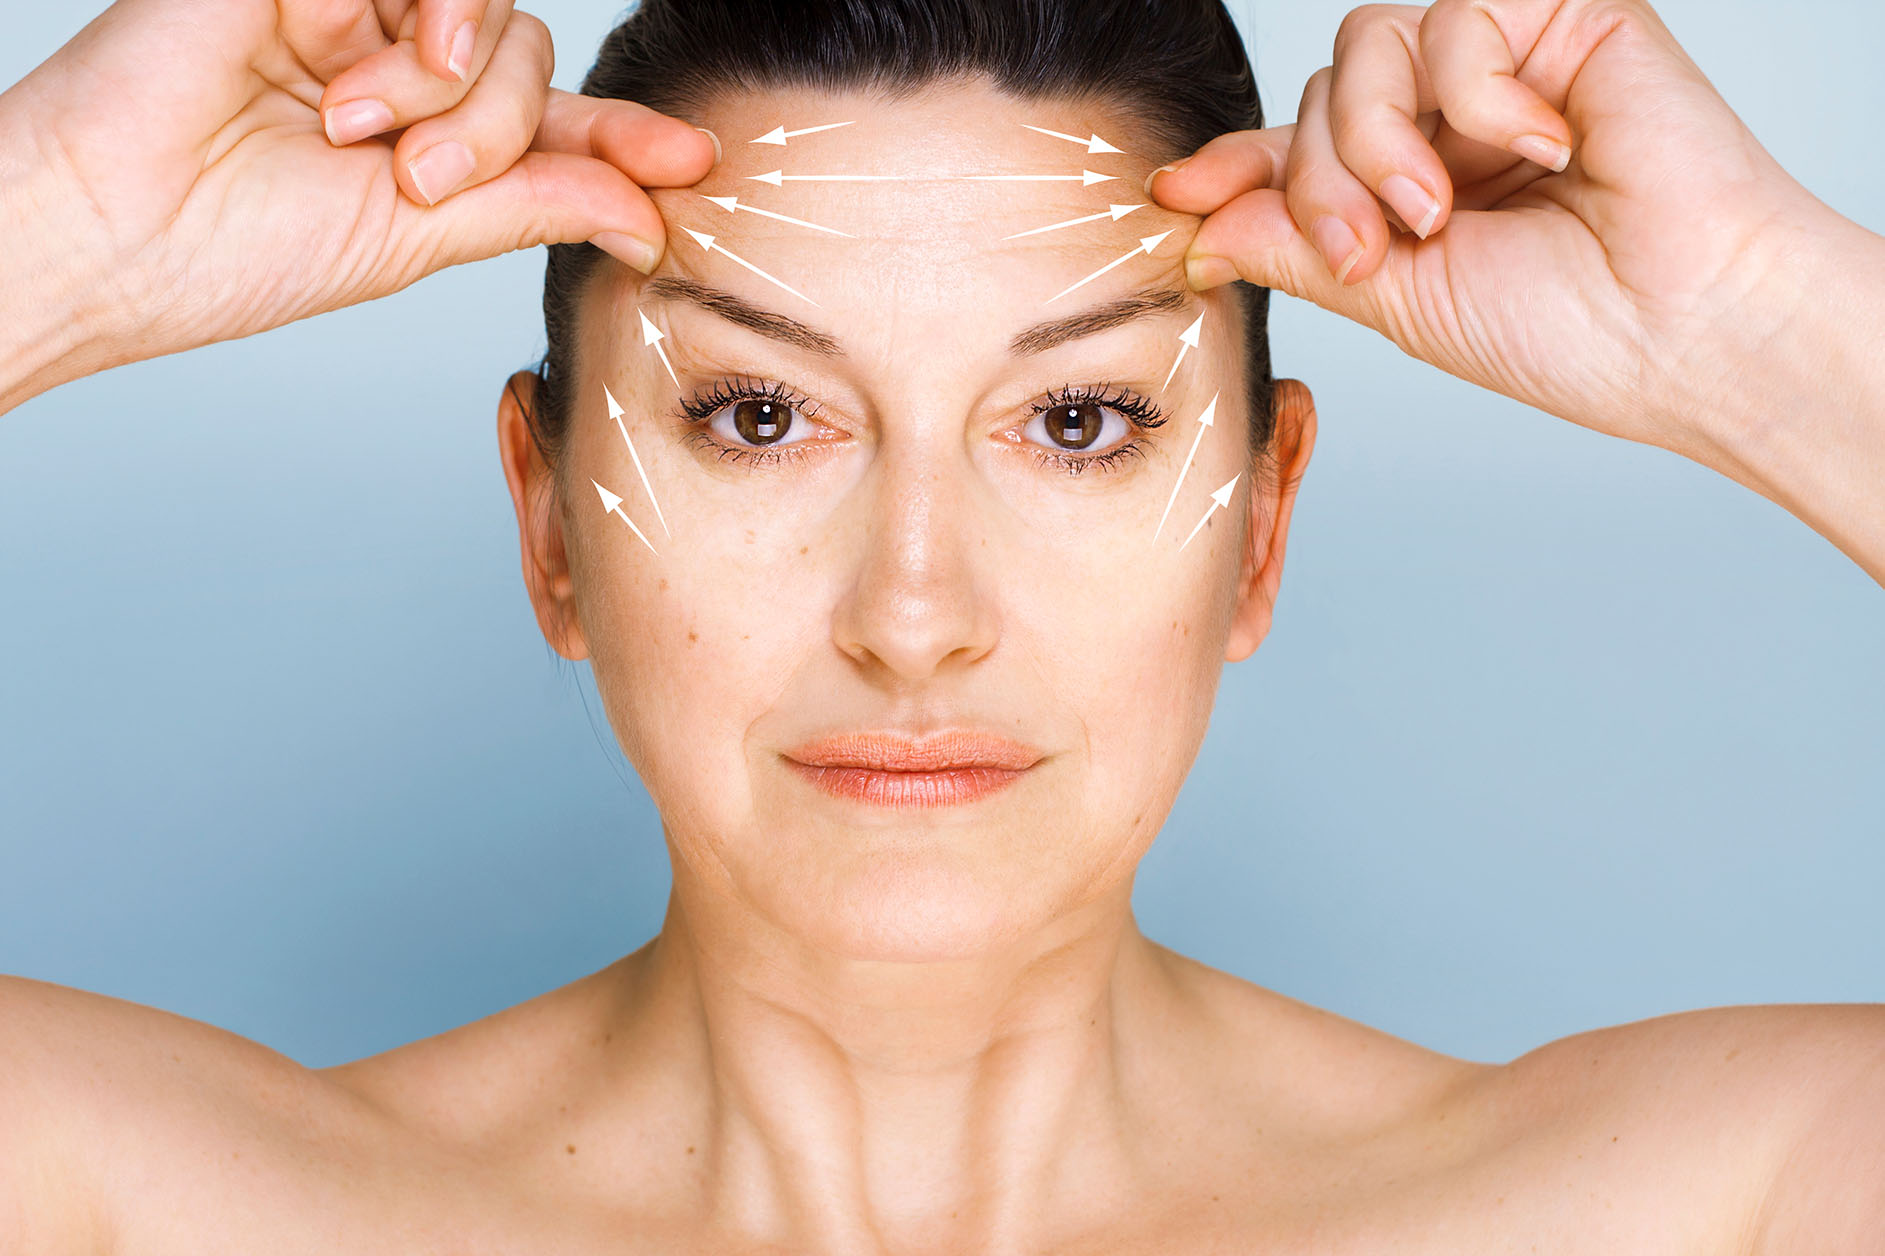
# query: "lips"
[[894, 769]]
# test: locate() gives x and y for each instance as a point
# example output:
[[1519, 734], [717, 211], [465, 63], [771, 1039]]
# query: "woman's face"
[[915, 499]]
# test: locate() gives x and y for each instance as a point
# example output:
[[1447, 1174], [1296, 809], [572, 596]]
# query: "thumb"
[[546, 198], [1253, 238]]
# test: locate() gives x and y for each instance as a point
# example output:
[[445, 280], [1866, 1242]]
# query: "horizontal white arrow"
[[1220, 500], [707, 242], [615, 412], [732, 205], [1115, 213], [1086, 178], [1188, 340], [779, 135], [613, 505], [1204, 425], [1146, 246], [778, 178], [1093, 142]]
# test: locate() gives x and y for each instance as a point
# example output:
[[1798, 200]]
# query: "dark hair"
[[1174, 68]]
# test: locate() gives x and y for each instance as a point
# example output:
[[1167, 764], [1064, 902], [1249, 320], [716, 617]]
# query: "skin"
[[938, 1032]]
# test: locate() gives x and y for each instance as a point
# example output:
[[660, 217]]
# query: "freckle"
[[690, 1151], [692, 637], [664, 586], [804, 548], [749, 536], [745, 637], [571, 1149]]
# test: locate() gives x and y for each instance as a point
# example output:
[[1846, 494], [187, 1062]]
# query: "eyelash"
[[1144, 415]]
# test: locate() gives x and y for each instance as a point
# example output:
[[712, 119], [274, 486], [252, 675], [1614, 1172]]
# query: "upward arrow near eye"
[[1188, 340], [1204, 425]]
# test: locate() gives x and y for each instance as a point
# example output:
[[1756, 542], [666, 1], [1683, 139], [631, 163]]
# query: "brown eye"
[[761, 422], [1074, 426]]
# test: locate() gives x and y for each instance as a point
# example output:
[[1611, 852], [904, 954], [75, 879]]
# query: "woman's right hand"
[[189, 171]]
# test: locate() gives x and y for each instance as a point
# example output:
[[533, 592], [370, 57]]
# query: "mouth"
[[890, 769]]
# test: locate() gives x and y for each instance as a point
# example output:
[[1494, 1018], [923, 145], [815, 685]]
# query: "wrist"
[[48, 321]]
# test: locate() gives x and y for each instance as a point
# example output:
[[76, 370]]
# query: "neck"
[[856, 1105]]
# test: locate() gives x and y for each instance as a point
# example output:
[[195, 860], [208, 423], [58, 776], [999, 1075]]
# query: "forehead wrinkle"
[[1045, 336], [743, 313]]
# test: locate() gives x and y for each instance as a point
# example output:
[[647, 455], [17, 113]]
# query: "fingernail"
[[719, 154], [1207, 271], [354, 121], [1156, 173], [439, 170], [1340, 247], [626, 249], [1412, 202], [464, 43], [1548, 153]]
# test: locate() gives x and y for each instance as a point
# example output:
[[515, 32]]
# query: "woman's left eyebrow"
[[1045, 336]]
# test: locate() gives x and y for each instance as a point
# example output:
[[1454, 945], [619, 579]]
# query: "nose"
[[922, 599]]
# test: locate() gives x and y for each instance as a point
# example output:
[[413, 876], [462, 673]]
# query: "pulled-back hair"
[[1175, 69]]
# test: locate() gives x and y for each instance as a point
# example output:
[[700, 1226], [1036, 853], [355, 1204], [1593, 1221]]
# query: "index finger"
[[331, 36], [1223, 170], [653, 149]]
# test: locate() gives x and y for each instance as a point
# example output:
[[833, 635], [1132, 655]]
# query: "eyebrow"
[[1037, 339]]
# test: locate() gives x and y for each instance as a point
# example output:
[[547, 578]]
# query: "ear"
[[539, 522], [1262, 573]]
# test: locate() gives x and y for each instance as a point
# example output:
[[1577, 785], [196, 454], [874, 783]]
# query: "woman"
[[873, 520]]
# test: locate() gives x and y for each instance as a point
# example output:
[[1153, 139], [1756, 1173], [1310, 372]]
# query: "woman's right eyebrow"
[[736, 309]]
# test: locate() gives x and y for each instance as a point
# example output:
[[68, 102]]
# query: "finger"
[[393, 88], [1256, 238], [447, 35], [330, 36], [1334, 208], [653, 149], [1474, 71], [1223, 169], [1375, 100], [490, 129], [545, 198]]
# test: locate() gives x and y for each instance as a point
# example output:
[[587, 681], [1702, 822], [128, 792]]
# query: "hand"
[[1594, 232], [199, 170]]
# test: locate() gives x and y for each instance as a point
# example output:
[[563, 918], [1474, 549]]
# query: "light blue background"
[[1553, 731]]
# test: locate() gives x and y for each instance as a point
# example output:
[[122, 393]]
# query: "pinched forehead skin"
[[928, 259]]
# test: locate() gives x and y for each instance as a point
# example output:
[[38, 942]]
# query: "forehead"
[[958, 179]]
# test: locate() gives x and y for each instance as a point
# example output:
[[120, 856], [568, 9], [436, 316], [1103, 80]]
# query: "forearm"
[[1795, 408]]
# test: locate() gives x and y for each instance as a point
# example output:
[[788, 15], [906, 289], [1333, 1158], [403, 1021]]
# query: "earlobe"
[[1270, 511], [539, 527]]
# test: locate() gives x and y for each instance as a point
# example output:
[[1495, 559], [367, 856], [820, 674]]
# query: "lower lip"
[[908, 789]]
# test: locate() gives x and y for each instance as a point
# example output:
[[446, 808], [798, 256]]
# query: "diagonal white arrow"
[[732, 205], [1093, 142], [650, 335], [615, 412], [613, 505], [779, 135], [707, 242], [1220, 501], [1146, 246], [1115, 213], [1204, 425], [1188, 340]]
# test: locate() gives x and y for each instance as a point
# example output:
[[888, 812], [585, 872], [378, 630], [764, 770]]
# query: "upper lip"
[[894, 751]]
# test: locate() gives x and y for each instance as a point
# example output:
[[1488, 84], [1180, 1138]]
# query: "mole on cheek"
[[692, 637]]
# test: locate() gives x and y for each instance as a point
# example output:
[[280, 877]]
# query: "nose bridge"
[[920, 596]]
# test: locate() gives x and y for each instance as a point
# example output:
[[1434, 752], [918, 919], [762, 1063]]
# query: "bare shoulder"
[[96, 1093], [1776, 1112]]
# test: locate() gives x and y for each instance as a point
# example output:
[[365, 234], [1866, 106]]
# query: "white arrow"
[[1146, 246], [1220, 501], [1204, 425], [780, 135], [707, 242], [650, 335], [1093, 142], [1086, 178], [779, 177], [1188, 339], [615, 412], [613, 504], [1115, 213], [732, 205]]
